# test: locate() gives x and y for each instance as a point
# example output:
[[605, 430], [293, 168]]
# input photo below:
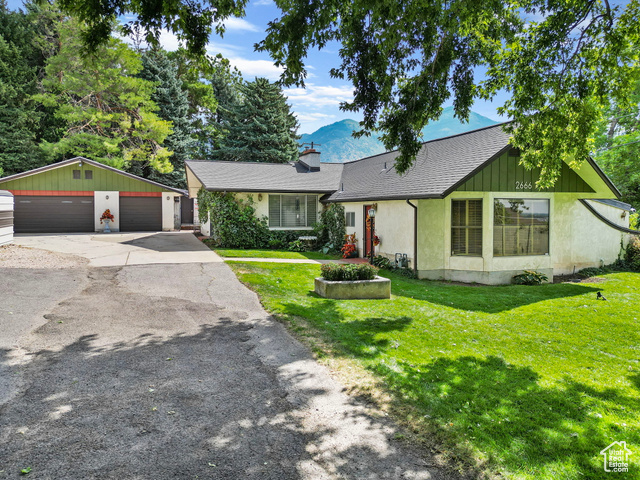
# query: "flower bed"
[[352, 281]]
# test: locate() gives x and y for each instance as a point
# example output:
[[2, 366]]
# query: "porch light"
[[372, 213]]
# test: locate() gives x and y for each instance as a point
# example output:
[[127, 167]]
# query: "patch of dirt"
[[572, 279], [16, 256]]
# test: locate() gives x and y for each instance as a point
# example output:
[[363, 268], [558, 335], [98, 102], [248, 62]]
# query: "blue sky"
[[316, 105]]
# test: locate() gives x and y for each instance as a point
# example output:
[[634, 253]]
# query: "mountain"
[[337, 145]]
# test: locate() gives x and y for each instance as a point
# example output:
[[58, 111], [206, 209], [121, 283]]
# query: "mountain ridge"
[[337, 145]]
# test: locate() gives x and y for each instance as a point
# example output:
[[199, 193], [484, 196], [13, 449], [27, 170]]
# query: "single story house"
[[70, 196], [465, 211]]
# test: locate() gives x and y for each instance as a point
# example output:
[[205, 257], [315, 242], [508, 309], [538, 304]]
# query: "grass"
[[528, 382], [238, 253]]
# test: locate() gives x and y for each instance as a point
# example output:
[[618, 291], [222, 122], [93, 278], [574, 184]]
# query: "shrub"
[[381, 261], [406, 272], [334, 272], [632, 253], [529, 277], [297, 246], [331, 229], [634, 221], [233, 221]]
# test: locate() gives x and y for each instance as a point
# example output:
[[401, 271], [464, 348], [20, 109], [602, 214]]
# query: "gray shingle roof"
[[265, 177], [440, 165]]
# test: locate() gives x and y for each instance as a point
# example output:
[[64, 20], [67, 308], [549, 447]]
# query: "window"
[[88, 174], [350, 219], [466, 227], [76, 174], [291, 211], [520, 227]]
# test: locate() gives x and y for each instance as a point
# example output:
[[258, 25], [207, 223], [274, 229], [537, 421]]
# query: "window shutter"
[[274, 210]]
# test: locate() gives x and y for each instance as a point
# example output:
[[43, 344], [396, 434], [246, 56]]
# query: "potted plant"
[[352, 281], [107, 218], [349, 249]]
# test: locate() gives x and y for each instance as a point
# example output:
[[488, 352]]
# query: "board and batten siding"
[[505, 174], [6, 217], [61, 180]]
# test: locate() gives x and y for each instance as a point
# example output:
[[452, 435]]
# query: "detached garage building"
[[70, 196]]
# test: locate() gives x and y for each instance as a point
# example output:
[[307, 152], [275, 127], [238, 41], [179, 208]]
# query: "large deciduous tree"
[[619, 146], [558, 61], [107, 110], [261, 128]]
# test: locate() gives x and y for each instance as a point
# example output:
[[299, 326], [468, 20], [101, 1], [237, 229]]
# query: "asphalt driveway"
[[173, 370]]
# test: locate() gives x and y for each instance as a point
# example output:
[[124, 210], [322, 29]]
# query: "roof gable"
[[59, 177], [505, 174]]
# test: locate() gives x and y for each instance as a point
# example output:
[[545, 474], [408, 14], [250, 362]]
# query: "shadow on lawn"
[[501, 410], [484, 298]]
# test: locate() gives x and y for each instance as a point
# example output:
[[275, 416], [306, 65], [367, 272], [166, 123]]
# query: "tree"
[[108, 111], [24, 47], [618, 146], [261, 128], [173, 106], [558, 60]]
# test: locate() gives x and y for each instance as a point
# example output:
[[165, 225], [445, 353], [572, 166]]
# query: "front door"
[[367, 231]]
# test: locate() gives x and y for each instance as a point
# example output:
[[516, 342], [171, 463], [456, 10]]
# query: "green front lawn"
[[238, 253], [530, 382]]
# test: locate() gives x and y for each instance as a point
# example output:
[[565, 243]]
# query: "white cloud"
[[316, 96], [310, 117], [256, 68], [240, 24]]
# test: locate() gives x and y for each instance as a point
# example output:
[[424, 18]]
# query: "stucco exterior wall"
[[577, 239], [393, 225], [170, 211], [102, 200], [261, 205]]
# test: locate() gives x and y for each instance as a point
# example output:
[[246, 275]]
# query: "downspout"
[[415, 236]]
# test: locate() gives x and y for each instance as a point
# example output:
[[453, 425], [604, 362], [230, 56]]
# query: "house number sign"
[[524, 185]]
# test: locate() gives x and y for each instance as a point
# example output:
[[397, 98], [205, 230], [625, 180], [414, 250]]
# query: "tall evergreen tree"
[[173, 105], [261, 128], [26, 40], [108, 112]]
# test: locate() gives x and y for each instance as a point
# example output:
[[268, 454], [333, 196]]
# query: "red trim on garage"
[[140, 194], [52, 193], [69, 193]]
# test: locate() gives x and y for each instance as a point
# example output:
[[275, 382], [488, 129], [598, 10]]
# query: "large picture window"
[[520, 227], [292, 211], [466, 227]]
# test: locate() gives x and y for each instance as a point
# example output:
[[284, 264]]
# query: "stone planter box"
[[379, 287]]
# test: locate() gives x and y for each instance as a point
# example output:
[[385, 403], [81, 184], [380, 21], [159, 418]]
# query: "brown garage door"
[[140, 214], [39, 214]]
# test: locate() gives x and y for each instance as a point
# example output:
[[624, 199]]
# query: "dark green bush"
[[406, 272], [632, 254], [331, 229], [334, 272], [381, 261], [529, 277], [233, 221]]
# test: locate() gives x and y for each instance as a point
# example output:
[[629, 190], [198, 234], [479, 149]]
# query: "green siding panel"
[[61, 179], [502, 174]]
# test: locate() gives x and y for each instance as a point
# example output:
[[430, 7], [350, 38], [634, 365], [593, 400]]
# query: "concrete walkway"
[[120, 249], [294, 260]]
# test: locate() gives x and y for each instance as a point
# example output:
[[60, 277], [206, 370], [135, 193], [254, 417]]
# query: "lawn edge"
[[415, 430]]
